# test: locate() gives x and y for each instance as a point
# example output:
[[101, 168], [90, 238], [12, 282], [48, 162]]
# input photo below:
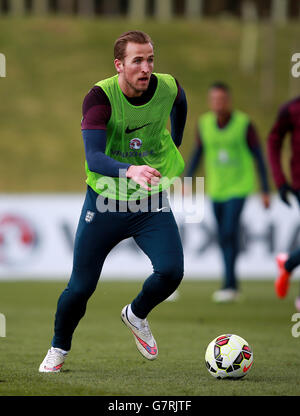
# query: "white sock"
[[133, 318], [61, 350]]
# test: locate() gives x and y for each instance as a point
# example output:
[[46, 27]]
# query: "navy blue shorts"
[[155, 232]]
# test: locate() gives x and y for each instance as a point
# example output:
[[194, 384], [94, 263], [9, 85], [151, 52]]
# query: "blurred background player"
[[229, 143], [125, 137], [287, 121]]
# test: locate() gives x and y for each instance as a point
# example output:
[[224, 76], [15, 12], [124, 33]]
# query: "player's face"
[[136, 68], [219, 101]]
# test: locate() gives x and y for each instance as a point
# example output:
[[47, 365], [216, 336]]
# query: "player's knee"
[[83, 282], [81, 291], [172, 271]]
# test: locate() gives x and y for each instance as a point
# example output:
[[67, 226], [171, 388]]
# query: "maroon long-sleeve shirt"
[[288, 121]]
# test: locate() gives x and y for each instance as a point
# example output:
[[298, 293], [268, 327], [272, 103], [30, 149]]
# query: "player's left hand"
[[266, 200]]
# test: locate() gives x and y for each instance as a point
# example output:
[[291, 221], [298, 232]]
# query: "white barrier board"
[[37, 235]]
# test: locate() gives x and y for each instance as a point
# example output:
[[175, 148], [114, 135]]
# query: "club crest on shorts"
[[135, 143], [89, 216]]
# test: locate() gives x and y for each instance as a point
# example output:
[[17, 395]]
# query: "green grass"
[[104, 360], [53, 62]]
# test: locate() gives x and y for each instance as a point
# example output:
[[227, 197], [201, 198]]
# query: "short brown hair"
[[134, 36], [219, 85]]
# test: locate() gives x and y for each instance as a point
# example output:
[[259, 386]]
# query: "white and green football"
[[228, 356]]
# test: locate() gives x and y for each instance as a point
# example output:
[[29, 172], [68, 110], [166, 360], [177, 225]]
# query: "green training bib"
[[138, 135], [228, 163]]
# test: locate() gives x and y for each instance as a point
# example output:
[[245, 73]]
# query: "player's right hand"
[[144, 175]]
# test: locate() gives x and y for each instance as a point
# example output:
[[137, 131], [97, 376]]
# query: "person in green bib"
[[131, 160], [230, 145]]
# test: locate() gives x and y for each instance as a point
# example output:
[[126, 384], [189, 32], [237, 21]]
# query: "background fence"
[[163, 9]]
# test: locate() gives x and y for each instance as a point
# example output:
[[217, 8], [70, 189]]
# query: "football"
[[229, 356]]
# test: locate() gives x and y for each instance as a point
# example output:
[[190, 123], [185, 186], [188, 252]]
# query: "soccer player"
[[229, 143], [129, 154], [288, 121]]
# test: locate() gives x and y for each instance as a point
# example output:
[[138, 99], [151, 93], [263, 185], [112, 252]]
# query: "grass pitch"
[[105, 362]]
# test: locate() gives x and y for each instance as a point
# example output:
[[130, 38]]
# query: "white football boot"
[[53, 361], [226, 295], [144, 339]]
